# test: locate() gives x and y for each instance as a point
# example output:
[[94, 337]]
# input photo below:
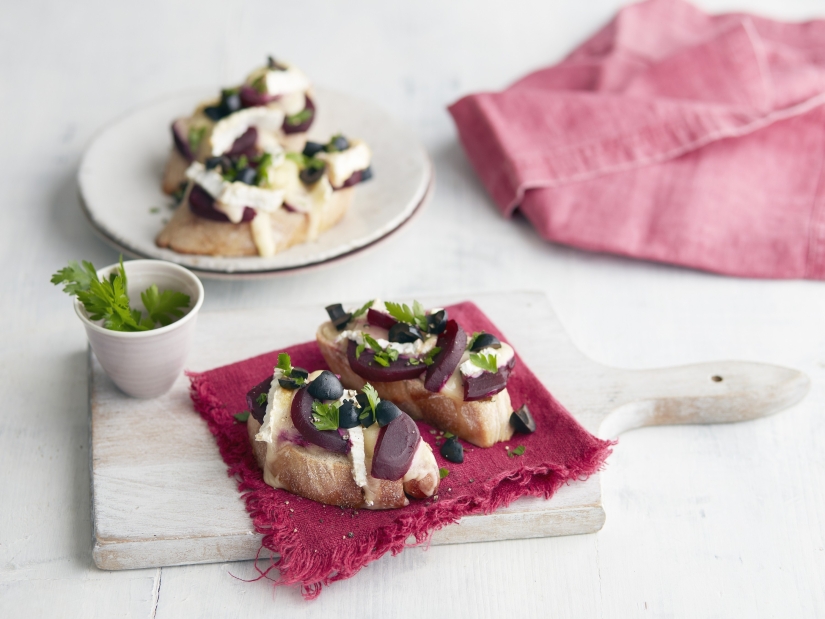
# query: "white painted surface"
[[703, 521]]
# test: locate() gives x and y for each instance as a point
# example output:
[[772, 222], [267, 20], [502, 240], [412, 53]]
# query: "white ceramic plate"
[[120, 177]]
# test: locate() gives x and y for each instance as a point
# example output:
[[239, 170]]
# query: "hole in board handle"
[[716, 378]]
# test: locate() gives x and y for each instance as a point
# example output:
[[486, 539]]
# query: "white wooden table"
[[720, 521]]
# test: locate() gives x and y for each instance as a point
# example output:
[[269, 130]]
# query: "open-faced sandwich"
[[318, 440], [274, 102], [254, 199], [427, 365]]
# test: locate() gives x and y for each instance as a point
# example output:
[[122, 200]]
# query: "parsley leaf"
[[443, 472], [400, 312], [195, 137], [362, 310], [358, 350], [242, 416], [518, 451], [302, 161], [284, 364], [262, 398], [372, 343], [108, 300], [488, 363], [325, 416], [429, 358], [164, 307], [372, 396], [300, 117]]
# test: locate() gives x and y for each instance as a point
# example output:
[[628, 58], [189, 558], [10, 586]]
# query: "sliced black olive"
[[299, 373], [404, 333], [485, 340], [338, 316], [289, 383], [274, 65], [348, 415], [339, 143], [230, 101], [366, 174], [247, 175], [436, 323], [452, 450], [212, 163], [326, 386], [214, 112], [363, 400], [386, 412], [312, 148], [311, 175], [522, 421]]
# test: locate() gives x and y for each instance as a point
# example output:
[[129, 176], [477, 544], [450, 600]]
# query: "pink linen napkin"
[[670, 135]]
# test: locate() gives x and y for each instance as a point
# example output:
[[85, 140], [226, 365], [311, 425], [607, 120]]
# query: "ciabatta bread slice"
[[483, 423], [186, 233]]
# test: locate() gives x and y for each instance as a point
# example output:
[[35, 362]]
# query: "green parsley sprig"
[[285, 365], [383, 356], [429, 358], [373, 399], [403, 313], [488, 363], [301, 117], [518, 451], [325, 416], [108, 300]]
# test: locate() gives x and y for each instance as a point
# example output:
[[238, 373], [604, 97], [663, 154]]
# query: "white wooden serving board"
[[161, 494]]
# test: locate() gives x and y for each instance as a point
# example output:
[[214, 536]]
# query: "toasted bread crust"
[[482, 423], [321, 475], [186, 233]]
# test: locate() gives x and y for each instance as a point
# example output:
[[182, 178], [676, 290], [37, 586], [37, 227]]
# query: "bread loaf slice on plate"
[[443, 403]]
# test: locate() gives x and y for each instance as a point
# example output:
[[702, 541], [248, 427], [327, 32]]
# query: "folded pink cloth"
[[670, 135]]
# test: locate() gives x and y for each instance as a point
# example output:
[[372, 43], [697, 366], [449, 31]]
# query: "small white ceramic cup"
[[145, 364]]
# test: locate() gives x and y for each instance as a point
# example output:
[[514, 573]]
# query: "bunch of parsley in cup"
[[139, 317]]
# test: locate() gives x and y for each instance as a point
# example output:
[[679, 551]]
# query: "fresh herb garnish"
[[428, 359], [284, 363], [261, 399], [488, 363], [302, 161], [518, 451], [449, 435], [108, 300], [262, 171], [473, 339], [358, 350], [242, 416], [195, 136], [373, 399], [362, 310], [383, 356], [300, 117], [443, 472], [403, 313], [325, 416], [259, 84]]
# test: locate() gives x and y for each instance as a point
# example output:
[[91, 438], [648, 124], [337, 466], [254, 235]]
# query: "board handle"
[[716, 392]]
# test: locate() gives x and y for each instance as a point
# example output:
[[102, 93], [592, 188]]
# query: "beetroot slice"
[[245, 144], [395, 449], [203, 205], [452, 342], [258, 410], [252, 98], [289, 129], [487, 384], [380, 319], [301, 414], [181, 141], [365, 367]]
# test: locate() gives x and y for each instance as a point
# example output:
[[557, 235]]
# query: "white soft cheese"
[[234, 197], [286, 82], [210, 180], [229, 129], [357, 456], [343, 164], [278, 405], [413, 349], [503, 356], [296, 193], [292, 103]]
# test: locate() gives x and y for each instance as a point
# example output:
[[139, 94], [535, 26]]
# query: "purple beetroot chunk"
[[395, 448], [203, 205], [367, 368], [181, 141], [452, 342], [252, 98], [487, 384], [380, 319], [301, 413], [304, 126], [245, 144], [258, 410]]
